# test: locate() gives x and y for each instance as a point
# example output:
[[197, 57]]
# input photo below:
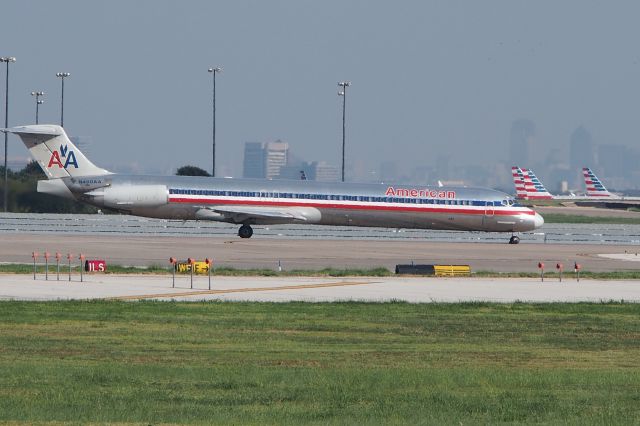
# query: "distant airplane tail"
[[528, 186], [58, 157], [595, 188], [518, 181]]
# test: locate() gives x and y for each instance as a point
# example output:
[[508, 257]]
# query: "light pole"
[[343, 93], [38, 102], [6, 59], [213, 72], [62, 76]]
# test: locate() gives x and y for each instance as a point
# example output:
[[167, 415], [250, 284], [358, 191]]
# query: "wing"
[[258, 214]]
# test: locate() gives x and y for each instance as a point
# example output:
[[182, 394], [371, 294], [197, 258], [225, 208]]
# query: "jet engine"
[[128, 197]]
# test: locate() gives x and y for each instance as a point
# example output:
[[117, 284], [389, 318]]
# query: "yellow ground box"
[[452, 270]]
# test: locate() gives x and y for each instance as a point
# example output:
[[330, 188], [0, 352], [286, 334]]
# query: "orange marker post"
[[46, 265], [173, 262], [541, 267], [34, 255], [559, 268], [209, 264], [81, 257], [191, 262], [58, 257], [69, 257]]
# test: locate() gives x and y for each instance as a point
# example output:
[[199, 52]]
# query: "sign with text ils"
[[95, 266]]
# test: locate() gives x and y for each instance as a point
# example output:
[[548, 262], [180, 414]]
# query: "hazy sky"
[[428, 77]]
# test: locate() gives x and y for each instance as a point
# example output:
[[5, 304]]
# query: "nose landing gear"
[[514, 239], [245, 231]]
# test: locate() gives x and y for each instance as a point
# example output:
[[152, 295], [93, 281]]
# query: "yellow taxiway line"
[[238, 290]]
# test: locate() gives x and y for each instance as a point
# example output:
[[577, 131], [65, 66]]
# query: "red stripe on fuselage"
[[496, 210]]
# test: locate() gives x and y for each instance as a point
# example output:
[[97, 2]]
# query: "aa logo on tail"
[[66, 154]]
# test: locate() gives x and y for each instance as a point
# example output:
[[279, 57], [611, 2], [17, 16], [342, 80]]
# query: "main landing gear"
[[245, 231], [514, 239]]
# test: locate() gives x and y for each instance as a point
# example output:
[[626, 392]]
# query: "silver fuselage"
[[349, 204]]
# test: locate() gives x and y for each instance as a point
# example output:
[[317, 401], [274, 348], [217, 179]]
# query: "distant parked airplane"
[[247, 201], [595, 188], [529, 187]]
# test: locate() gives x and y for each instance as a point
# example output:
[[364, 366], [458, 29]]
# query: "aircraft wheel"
[[245, 231], [514, 239]]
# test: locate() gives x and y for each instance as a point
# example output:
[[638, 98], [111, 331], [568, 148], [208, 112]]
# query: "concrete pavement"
[[316, 254], [318, 289]]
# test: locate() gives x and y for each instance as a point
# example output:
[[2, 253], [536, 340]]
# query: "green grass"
[[326, 272], [568, 274], [572, 218], [26, 268], [330, 363]]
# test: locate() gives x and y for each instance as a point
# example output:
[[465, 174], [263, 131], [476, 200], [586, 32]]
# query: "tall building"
[[316, 170], [388, 171], [521, 142], [616, 161], [253, 162], [442, 167], [264, 160], [581, 154], [275, 156], [581, 149], [324, 172]]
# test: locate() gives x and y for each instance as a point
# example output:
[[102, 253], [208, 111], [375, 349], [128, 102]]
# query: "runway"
[[271, 289], [317, 254]]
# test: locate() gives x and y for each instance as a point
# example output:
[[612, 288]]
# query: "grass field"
[[326, 272], [337, 363]]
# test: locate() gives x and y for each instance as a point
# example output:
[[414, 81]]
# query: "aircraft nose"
[[538, 221]]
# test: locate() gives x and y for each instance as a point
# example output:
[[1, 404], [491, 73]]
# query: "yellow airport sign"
[[199, 267]]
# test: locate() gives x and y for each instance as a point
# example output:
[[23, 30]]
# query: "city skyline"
[[432, 84]]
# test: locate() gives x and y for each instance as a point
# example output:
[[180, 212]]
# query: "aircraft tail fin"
[[518, 181], [528, 186], [595, 188], [52, 149]]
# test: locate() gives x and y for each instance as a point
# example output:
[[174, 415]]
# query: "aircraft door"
[[489, 209], [489, 212]]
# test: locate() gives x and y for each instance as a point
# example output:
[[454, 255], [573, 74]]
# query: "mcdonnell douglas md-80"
[[247, 202]]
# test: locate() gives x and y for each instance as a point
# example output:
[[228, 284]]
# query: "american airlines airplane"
[[248, 202], [529, 187]]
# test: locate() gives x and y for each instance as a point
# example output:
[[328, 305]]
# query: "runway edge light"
[[173, 262], [541, 267], [559, 267]]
